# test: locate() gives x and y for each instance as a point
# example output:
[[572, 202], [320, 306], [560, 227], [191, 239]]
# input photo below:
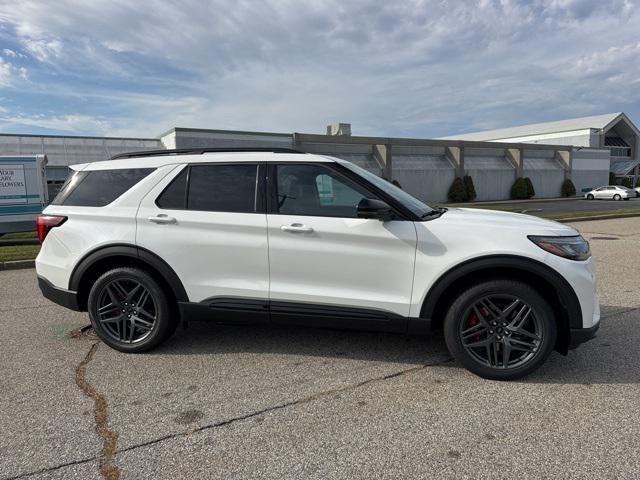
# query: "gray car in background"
[[610, 192]]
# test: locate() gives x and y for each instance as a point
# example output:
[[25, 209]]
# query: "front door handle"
[[162, 219], [296, 228]]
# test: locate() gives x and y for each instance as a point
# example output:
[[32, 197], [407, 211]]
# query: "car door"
[[208, 222], [601, 192], [326, 265]]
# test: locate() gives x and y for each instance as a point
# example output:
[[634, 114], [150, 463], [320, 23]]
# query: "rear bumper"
[[581, 335], [66, 298]]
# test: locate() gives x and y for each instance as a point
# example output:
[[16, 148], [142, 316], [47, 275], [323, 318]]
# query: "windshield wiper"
[[434, 212]]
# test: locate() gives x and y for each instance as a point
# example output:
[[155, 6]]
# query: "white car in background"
[[611, 192]]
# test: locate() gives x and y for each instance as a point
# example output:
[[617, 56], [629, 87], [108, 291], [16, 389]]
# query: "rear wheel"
[[617, 197], [129, 310], [590, 197], [501, 329]]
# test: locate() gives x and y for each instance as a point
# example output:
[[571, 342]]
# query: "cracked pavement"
[[253, 402]]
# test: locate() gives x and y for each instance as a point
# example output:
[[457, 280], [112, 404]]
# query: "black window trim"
[[259, 195], [401, 212]]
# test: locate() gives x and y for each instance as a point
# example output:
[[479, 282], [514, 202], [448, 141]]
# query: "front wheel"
[[500, 329], [590, 197], [129, 310], [617, 197]]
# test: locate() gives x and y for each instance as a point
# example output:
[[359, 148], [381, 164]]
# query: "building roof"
[[599, 122]]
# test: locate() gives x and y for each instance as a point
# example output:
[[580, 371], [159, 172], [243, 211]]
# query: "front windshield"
[[413, 204]]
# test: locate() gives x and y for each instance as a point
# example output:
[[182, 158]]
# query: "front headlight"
[[573, 248]]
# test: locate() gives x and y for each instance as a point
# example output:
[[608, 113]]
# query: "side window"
[[213, 188], [315, 190], [97, 188], [175, 195]]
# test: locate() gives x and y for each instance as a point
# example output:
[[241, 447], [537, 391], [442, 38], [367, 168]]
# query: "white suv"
[[149, 240]]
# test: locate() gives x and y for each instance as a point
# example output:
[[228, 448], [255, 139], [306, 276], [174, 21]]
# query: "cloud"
[[67, 123], [414, 67], [8, 73]]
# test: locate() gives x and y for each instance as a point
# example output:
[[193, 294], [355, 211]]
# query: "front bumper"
[[581, 335], [66, 298]]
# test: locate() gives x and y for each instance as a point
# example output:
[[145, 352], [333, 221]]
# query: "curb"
[[598, 217], [17, 264]]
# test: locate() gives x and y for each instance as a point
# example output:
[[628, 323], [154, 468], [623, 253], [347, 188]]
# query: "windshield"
[[413, 204]]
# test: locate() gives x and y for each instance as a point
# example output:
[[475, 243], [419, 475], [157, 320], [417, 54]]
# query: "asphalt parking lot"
[[577, 205], [251, 402]]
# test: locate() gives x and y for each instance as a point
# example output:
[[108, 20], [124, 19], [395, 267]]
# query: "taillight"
[[44, 223]]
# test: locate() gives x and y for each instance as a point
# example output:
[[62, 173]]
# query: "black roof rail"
[[200, 151]]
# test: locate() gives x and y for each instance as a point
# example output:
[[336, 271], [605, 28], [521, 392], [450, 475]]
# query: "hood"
[[517, 221]]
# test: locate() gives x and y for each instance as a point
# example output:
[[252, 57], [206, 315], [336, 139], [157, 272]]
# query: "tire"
[[590, 197], [466, 315], [617, 197], [152, 320], [627, 198]]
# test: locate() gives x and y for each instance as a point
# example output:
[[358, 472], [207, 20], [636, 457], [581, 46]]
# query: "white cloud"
[[72, 123], [415, 67], [8, 72]]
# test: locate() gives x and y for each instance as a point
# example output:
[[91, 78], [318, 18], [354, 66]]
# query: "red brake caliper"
[[472, 321]]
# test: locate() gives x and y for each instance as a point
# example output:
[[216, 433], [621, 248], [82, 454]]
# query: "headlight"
[[574, 248]]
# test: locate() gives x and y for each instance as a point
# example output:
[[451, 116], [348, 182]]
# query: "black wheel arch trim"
[[132, 251], [564, 290]]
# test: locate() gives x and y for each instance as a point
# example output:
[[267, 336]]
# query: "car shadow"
[[613, 357]]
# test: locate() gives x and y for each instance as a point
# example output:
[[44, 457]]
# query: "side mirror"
[[374, 208]]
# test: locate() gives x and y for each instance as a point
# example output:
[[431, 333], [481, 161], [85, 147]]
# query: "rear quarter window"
[[97, 188]]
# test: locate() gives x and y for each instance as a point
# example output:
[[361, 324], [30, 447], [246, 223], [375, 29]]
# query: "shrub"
[[530, 190], [519, 189], [612, 178], [469, 187], [457, 191], [568, 188], [396, 183], [627, 182]]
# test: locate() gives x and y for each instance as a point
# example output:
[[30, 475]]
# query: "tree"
[[469, 187], [519, 190], [457, 191], [530, 190], [568, 188], [627, 182]]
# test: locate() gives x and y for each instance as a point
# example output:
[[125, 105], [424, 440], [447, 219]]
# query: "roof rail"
[[200, 151]]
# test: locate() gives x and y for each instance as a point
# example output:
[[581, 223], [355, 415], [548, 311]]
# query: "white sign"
[[13, 188]]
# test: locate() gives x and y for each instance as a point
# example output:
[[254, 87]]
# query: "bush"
[[396, 183], [519, 190], [469, 187], [612, 178], [457, 191], [530, 190], [627, 182], [568, 188]]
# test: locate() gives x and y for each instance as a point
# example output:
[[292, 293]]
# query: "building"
[[613, 131], [579, 149], [62, 151]]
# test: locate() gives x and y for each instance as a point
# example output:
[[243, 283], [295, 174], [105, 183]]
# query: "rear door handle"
[[162, 219], [296, 228]]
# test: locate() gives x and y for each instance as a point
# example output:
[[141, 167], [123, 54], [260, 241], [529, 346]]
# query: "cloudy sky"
[[404, 68]]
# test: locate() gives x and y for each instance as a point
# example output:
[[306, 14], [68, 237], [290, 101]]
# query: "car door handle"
[[296, 228], [162, 219]]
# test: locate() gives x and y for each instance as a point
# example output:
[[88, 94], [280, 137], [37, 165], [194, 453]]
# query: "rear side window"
[[97, 188], [213, 188]]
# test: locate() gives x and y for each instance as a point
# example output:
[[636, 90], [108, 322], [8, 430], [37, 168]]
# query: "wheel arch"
[[96, 262], [549, 283]]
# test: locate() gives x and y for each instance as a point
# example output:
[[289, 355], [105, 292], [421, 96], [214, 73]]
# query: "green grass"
[[19, 235], [19, 252]]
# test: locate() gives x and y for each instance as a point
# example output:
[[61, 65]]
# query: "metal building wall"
[[590, 168], [424, 172], [492, 173], [546, 173], [361, 155]]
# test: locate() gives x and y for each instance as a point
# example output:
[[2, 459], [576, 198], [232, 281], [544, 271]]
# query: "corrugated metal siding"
[[426, 177], [492, 174]]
